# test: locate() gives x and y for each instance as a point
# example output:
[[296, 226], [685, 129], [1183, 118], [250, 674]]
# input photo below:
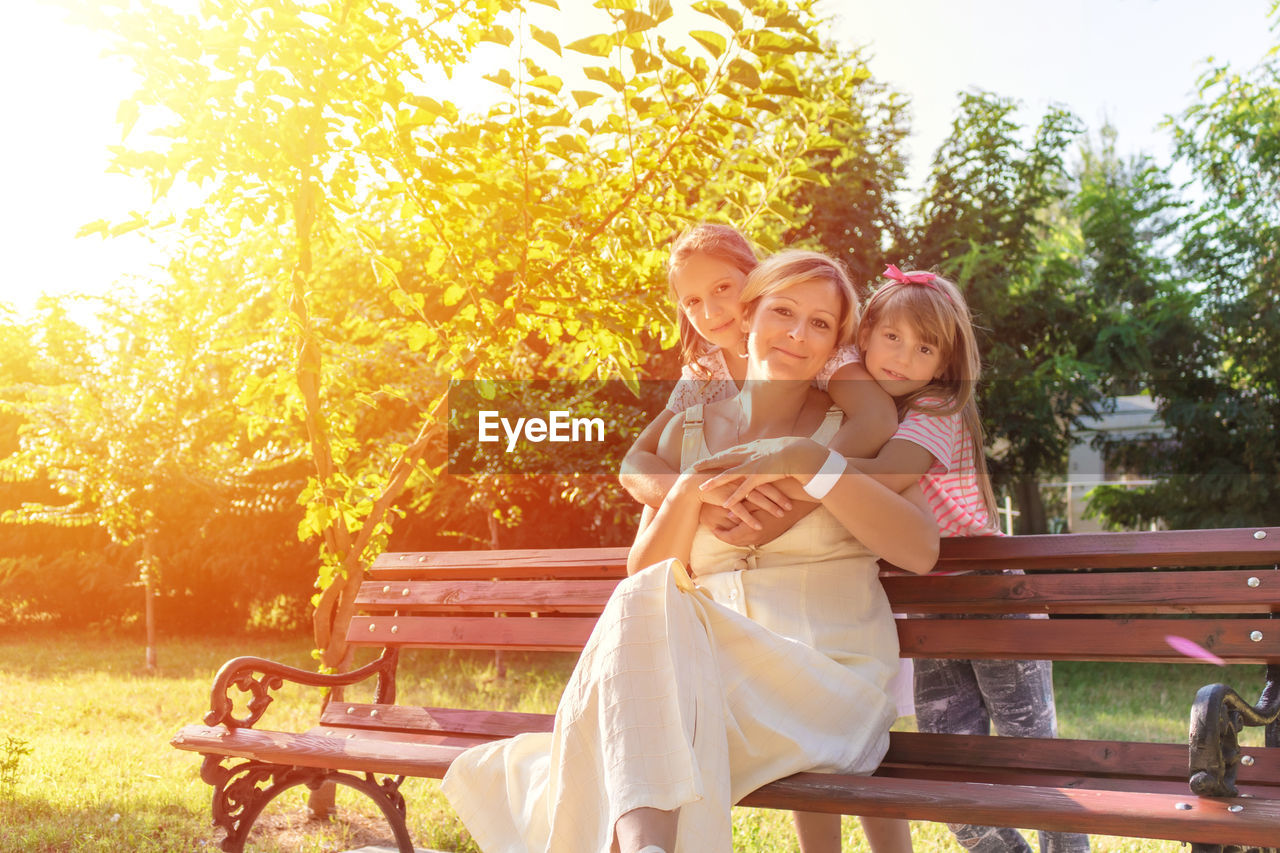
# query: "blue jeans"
[[965, 697]]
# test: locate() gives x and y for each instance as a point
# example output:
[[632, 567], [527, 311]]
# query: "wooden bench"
[[1112, 597]]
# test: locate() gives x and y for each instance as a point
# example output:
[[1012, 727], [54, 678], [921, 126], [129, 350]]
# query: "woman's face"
[[707, 291], [794, 331]]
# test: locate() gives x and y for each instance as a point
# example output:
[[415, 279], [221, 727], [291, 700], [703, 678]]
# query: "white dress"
[[690, 695]]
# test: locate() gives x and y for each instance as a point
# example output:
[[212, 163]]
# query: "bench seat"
[[1099, 597]]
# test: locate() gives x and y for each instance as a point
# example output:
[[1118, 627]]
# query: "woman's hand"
[[761, 464]]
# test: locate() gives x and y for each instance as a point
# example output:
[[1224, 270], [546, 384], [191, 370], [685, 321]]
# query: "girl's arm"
[[643, 473], [870, 414], [648, 477], [899, 464]]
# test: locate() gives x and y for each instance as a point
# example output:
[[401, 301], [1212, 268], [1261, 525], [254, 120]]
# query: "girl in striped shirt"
[[918, 343]]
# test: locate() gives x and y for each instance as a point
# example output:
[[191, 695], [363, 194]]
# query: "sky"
[[1127, 62]]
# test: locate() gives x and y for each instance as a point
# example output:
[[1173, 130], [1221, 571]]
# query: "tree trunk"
[[149, 607], [499, 664], [1031, 519]]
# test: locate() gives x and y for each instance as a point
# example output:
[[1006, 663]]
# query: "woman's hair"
[[796, 266], [936, 311], [722, 242]]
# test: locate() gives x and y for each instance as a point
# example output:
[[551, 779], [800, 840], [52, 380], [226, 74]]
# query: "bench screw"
[[351, 710], [1246, 760], [1254, 582], [1256, 636], [1182, 807], [1236, 809], [404, 591], [372, 627], [395, 629], [373, 713], [1260, 534], [387, 588]]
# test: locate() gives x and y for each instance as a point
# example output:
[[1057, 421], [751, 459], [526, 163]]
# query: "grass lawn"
[[102, 777]]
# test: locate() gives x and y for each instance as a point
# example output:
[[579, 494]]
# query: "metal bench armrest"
[[259, 676], [1218, 715]]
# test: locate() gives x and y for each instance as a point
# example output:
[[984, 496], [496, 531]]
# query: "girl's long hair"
[[939, 315], [722, 242]]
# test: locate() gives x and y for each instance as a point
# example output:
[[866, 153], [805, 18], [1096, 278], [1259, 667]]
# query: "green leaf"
[[599, 45], [660, 10], [502, 77], [722, 11], [758, 103], [548, 83], [546, 38], [127, 116], [499, 34], [713, 42], [638, 22], [744, 73], [628, 375], [572, 143], [609, 76], [453, 294]]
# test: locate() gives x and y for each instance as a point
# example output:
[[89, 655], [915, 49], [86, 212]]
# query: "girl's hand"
[[737, 510], [762, 463]]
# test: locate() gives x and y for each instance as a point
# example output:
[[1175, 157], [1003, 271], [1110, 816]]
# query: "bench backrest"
[[1220, 590]]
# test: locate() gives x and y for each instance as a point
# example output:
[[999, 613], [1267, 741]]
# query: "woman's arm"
[[898, 527], [669, 532]]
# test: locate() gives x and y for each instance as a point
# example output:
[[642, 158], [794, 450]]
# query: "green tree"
[[854, 214], [988, 222], [131, 420], [1221, 399], [519, 242]]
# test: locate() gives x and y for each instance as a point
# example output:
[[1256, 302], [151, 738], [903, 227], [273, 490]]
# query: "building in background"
[[1090, 464]]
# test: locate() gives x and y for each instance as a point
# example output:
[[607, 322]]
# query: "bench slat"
[[558, 596], [487, 724], [582, 563], [1221, 591], [1147, 815], [907, 750], [1070, 756], [552, 634], [1142, 815], [1168, 548], [1140, 640]]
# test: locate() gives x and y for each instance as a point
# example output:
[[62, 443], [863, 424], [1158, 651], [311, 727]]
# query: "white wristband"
[[825, 480]]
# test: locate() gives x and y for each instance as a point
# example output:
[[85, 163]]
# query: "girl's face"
[[794, 331], [897, 357], [707, 291]]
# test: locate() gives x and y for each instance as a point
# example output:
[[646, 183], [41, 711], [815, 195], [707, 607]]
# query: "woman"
[[689, 696]]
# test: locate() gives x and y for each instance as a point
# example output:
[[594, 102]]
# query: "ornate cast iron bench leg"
[[239, 795], [1217, 717]]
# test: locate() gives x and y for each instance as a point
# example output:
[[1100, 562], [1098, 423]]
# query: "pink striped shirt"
[[951, 485]]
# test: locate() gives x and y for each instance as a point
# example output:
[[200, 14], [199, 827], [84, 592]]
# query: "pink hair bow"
[[925, 278]]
